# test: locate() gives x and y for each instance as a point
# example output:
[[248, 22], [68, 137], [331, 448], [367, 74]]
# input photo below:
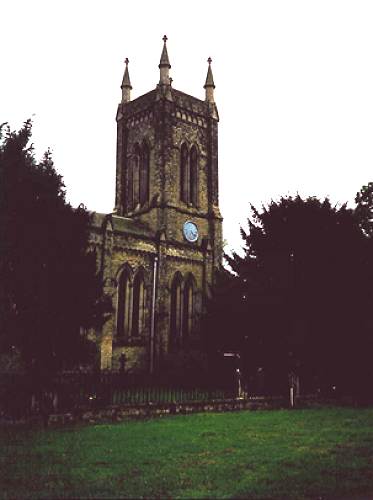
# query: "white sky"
[[294, 89]]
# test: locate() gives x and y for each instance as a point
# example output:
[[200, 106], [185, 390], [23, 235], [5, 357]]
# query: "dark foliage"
[[364, 208], [49, 290], [300, 297], [224, 322]]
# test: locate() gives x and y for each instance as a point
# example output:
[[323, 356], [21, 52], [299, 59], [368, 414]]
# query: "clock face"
[[190, 231]]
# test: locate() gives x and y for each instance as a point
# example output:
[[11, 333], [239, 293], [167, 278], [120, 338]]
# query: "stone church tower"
[[158, 250]]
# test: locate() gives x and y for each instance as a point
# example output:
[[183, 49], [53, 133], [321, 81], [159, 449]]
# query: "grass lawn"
[[272, 454]]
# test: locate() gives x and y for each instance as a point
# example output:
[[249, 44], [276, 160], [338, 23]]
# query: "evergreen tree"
[[49, 290], [364, 208], [304, 287]]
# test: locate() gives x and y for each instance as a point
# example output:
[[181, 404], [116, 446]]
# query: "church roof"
[[189, 102], [181, 99], [132, 226], [121, 224]]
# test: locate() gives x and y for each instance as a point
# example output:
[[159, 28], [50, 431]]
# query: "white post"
[[55, 401], [239, 382], [291, 396]]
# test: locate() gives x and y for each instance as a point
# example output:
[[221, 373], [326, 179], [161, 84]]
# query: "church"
[[158, 251]]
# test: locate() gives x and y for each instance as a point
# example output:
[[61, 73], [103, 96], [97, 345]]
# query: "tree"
[[304, 283], [223, 322], [364, 208], [49, 289]]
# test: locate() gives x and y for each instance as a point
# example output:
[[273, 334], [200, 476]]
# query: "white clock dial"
[[190, 231]]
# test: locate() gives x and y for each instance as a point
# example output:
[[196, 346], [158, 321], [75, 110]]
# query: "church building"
[[158, 251]]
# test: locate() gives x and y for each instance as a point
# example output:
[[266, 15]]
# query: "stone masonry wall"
[[136, 236], [124, 412], [138, 252]]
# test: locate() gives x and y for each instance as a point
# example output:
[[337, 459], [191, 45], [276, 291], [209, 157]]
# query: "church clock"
[[190, 231]]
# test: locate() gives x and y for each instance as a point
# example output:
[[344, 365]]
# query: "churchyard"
[[130, 313], [312, 453]]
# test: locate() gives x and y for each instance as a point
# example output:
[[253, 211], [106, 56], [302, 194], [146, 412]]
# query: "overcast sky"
[[294, 89]]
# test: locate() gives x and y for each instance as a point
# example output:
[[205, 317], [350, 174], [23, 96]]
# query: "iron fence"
[[22, 394]]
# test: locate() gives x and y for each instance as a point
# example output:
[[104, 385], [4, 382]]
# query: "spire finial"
[[126, 83], [209, 85], [164, 64]]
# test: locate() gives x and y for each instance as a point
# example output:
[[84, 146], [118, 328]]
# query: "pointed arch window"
[[144, 174], [188, 306], [136, 175], [176, 312], [130, 185], [184, 174], [138, 308], [189, 175], [124, 303], [193, 184]]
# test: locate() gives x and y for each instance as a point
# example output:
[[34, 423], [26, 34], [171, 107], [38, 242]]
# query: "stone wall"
[[136, 236], [124, 412], [121, 242]]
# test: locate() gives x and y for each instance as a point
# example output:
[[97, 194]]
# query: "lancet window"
[[176, 311], [184, 159], [144, 174], [182, 310], [193, 176], [124, 303], [189, 175], [188, 296], [138, 310], [138, 176], [131, 300]]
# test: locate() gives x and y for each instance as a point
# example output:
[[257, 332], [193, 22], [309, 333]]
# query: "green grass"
[[274, 454]]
